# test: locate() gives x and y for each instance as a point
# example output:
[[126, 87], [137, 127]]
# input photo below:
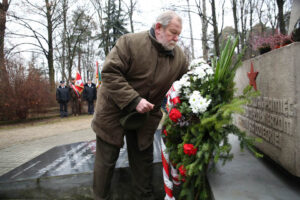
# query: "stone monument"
[[274, 116], [295, 15]]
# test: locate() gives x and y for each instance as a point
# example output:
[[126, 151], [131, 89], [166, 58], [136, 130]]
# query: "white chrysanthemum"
[[204, 66], [200, 68], [197, 62], [185, 80], [209, 71], [187, 92], [198, 104], [199, 72]]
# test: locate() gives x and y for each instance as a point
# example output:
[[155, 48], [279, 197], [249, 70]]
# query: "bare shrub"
[[27, 90]]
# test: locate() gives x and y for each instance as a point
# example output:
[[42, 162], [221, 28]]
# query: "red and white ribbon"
[[168, 185], [173, 98], [175, 175]]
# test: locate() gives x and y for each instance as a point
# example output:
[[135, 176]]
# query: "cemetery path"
[[16, 134], [21, 143]]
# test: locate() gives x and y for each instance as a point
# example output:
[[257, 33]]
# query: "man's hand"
[[144, 106]]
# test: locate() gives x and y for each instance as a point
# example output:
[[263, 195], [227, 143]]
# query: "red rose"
[[189, 149], [182, 171], [176, 100], [175, 115], [165, 132]]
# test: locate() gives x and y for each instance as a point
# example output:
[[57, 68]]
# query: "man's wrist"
[[132, 105]]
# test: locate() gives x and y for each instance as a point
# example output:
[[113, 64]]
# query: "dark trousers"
[[63, 109], [91, 107], [141, 166], [76, 106]]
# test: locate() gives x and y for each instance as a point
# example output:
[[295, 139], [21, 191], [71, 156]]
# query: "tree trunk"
[[191, 30], [251, 23], [65, 9], [3, 72], [281, 22], [215, 26], [235, 20], [79, 59], [130, 15], [243, 19], [204, 23], [50, 45]]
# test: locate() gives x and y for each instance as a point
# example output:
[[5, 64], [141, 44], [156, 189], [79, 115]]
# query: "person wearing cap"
[[63, 97], [136, 76], [89, 94]]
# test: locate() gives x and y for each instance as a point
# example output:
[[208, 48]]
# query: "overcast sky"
[[145, 15]]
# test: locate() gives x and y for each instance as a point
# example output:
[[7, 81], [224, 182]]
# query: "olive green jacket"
[[137, 67]]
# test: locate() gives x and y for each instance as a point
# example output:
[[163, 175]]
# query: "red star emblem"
[[252, 77]]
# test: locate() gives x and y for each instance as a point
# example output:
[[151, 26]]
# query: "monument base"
[[66, 172], [77, 186]]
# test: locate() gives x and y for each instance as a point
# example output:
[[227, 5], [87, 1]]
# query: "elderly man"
[[136, 75]]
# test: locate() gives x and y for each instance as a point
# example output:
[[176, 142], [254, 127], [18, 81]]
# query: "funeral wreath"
[[201, 120]]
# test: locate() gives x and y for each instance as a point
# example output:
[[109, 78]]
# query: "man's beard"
[[169, 45]]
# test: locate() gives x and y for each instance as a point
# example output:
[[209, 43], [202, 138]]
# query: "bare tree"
[[50, 7], [191, 29], [215, 27], [235, 19], [130, 9], [3, 10], [74, 38], [204, 23], [259, 11], [47, 17], [271, 13], [243, 17], [281, 22], [63, 62], [251, 10]]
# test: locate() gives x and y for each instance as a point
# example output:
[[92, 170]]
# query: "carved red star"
[[252, 77]]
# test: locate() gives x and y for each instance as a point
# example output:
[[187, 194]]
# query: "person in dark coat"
[[89, 94], [63, 97]]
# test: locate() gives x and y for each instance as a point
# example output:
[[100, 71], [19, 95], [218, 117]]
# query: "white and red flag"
[[78, 83], [98, 75]]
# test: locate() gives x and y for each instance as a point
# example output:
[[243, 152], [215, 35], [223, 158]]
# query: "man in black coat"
[[89, 94], [62, 97]]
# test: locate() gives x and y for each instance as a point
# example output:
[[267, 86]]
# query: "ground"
[[23, 132], [19, 143]]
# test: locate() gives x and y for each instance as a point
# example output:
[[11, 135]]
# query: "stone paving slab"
[[18, 154], [249, 178]]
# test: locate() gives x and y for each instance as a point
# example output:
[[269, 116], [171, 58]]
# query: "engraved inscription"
[[270, 118]]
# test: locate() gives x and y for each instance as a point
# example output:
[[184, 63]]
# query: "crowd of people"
[[66, 94]]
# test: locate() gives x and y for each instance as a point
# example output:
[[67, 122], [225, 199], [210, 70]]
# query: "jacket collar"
[[158, 45]]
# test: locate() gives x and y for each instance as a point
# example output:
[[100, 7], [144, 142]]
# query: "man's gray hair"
[[165, 18]]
